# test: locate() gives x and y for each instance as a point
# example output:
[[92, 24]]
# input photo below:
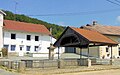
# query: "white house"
[[25, 38]]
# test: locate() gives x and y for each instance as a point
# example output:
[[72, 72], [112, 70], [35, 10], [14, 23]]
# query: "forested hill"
[[56, 29]]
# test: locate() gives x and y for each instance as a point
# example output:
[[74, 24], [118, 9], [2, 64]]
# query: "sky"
[[67, 12]]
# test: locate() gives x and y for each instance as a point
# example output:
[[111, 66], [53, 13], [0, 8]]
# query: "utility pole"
[[16, 3], [51, 35]]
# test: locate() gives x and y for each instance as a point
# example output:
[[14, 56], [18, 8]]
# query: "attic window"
[[28, 37], [13, 36], [36, 38]]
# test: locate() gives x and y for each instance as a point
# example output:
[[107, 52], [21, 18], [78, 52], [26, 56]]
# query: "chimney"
[[94, 23]]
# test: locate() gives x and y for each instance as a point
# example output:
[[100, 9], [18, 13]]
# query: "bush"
[[4, 52]]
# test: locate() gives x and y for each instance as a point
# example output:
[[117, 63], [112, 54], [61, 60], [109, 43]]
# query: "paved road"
[[103, 72], [4, 72]]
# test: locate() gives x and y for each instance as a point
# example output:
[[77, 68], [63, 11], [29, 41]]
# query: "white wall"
[[44, 41], [61, 49], [105, 54], [1, 30]]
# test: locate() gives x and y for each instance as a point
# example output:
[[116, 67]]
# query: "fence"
[[21, 65], [40, 63]]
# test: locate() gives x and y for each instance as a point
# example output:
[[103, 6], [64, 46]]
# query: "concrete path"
[[4, 72]]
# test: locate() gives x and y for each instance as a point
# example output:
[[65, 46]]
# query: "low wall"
[[17, 65], [116, 62], [44, 63], [23, 64], [51, 63], [103, 61], [13, 54]]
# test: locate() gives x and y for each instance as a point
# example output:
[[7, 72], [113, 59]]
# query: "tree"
[[56, 29]]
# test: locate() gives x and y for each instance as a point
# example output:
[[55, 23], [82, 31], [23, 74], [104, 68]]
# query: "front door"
[[21, 48]]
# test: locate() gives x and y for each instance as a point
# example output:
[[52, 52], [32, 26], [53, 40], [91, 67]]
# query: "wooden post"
[[80, 57], [80, 53], [58, 59], [58, 53], [112, 60], [88, 51], [88, 60], [111, 52]]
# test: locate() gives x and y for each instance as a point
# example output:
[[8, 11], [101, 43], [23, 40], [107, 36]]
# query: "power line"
[[114, 2], [16, 3], [78, 13], [117, 1]]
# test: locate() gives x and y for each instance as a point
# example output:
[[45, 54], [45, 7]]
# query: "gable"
[[70, 38], [76, 37]]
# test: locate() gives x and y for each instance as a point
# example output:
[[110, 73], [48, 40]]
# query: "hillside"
[[56, 29]]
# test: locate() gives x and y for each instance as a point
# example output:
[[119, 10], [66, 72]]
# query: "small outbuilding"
[[82, 38]]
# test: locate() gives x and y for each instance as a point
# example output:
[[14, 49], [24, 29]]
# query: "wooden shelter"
[[76, 37], [82, 38]]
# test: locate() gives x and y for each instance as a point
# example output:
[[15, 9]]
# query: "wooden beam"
[[58, 53], [80, 53], [88, 51], [111, 52]]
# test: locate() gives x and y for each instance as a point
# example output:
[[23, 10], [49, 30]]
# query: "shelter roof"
[[77, 37]]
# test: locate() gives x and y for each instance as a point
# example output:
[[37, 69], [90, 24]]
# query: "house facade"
[[112, 32], [21, 39]]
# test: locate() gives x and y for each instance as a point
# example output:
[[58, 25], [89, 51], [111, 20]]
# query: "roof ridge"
[[22, 22]]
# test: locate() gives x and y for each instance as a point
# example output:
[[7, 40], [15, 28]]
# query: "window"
[[13, 47], [107, 49], [28, 37], [36, 38], [6, 46], [36, 48], [13, 36], [27, 48]]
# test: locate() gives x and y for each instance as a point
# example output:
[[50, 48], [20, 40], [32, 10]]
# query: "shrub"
[[5, 52]]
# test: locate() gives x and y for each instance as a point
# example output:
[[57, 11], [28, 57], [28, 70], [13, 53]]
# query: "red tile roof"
[[26, 27], [110, 30], [93, 36]]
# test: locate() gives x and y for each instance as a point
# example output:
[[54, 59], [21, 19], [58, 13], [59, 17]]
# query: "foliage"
[[5, 52], [56, 29]]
